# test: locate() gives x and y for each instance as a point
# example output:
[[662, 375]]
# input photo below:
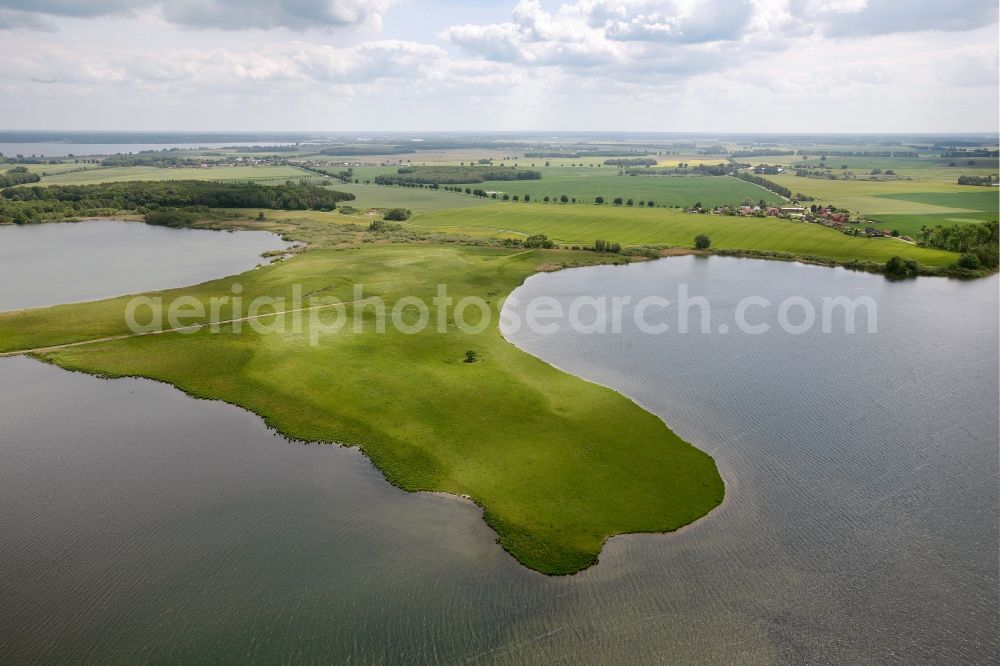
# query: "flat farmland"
[[416, 199], [981, 199], [882, 197], [584, 184], [582, 225], [910, 225]]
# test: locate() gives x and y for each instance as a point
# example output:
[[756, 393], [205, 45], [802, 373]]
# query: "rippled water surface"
[[860, 522], [47, 264]]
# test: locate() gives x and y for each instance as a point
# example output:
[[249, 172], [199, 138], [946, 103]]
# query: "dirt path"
[[190, 327]]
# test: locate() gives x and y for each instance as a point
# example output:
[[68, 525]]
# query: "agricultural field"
[[419, 200], [584, 184], [428, 420], [981, 199], [924, 193], [893, 197], [583, 224], [910, 225], [927, 167]]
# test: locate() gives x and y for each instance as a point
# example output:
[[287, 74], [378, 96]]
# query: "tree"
[[396, 214], [599, 200], [629, 203], [527, 197], [897, 267], [617, 201], [471, 356], [969, 261], [564, 199], [260, 215], [702, 242], [538, 240]]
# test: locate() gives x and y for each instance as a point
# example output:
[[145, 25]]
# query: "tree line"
[[22, 205], [627, 162], [450, 175], [765, 183], [18, 176], [760, 152], [584, 153], [981, 152], [976, 180], [349, 151], [979, 240], [867, 153]]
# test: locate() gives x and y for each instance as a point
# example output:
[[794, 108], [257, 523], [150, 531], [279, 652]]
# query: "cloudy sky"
[[668, 65]]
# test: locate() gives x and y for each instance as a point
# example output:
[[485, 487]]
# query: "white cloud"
[[838, 65], [847, 18], [222, 14], [205, 70]]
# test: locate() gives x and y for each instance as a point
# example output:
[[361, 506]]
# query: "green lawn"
[[557, 463], [582, 224]]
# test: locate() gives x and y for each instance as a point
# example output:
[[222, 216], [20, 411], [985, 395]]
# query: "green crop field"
[[909, 225], [557, 463], [889, 197], [980, 199], [417, 199], [582, 224], [585, 183]]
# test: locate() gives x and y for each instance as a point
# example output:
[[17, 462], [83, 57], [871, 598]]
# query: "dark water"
[[47, 264], [860, 524]]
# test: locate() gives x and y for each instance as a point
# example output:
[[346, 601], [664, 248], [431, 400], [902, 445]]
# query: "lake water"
[[64, 149], [47, 264], [860, 523]]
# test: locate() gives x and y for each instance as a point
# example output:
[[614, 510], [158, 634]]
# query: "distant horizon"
[[342, 133]]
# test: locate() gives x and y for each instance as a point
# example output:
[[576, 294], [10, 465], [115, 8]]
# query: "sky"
[[512, 65]]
